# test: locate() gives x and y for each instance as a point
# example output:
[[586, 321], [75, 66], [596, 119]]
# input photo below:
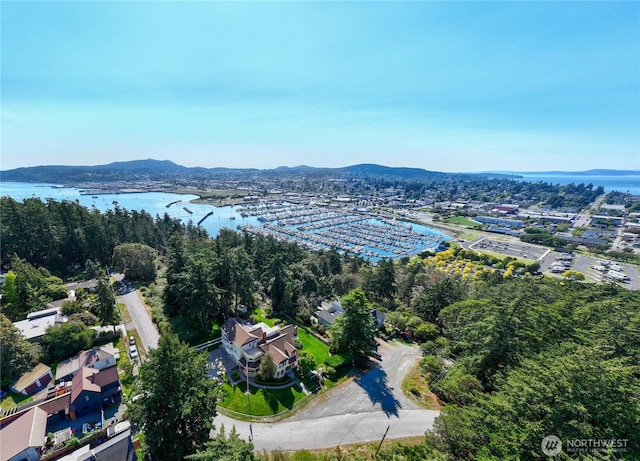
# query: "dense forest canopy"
[[62, 235]]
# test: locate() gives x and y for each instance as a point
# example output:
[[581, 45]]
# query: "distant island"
[[159, 170]]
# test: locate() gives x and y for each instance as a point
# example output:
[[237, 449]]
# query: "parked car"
[[132, 340], [133, 352]]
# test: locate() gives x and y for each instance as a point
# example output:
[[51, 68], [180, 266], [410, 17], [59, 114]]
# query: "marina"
[[319, 228], [310, 225]]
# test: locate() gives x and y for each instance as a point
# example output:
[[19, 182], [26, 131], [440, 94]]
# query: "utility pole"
[[380, 444]]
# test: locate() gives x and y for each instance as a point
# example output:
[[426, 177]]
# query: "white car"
[[133, 352]]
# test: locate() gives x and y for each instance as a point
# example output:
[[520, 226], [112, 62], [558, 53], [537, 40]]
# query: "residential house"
[[22, 438], [36, 324], [99, 358], [116, 448], [247, 344], [327, 313], [33, 381], [90, 387]]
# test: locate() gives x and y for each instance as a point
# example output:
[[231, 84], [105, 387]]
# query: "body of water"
[[626, 183], [155, 203]]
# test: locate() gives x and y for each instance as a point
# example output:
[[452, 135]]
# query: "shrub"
[[329, 372], [338, 360], [72, 442], [431, 365], [85, 317], [426, 332]]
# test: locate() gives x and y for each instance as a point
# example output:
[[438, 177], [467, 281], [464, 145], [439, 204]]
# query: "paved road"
[[147, 331], [357, 411]]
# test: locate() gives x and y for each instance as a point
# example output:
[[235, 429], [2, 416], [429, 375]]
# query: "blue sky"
[[447, 86]]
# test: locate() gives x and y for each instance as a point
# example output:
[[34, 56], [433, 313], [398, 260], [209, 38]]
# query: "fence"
[[203, 346]]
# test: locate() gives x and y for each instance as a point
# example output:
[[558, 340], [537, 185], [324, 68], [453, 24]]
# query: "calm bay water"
[[155, 203], [626, 183]]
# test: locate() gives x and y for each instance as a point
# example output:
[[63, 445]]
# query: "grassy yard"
[[126, 378], [259, 317], [14, 399], [461, 221], [312, 344], [124, 313], [263, 402]]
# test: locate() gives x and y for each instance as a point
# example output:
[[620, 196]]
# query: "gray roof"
[[328, 317]]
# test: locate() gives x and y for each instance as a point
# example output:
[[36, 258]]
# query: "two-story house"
[[247, 344]]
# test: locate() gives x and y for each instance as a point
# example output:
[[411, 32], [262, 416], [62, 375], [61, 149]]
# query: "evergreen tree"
[[267, 368], [105, 305], [17, 355], [352, 332], [226, 448], [180, 400]]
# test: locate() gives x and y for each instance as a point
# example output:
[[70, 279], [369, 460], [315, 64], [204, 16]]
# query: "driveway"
[[147, 331], [356, 411]]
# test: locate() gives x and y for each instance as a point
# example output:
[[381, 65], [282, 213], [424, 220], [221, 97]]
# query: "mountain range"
[[151, 169]]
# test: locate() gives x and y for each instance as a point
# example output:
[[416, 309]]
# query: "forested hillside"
[[62, 235]]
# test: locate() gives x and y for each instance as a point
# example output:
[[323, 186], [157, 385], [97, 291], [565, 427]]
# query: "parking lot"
[[585, 265], [507, 248]]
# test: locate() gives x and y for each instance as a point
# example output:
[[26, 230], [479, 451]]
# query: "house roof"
[[27, 430], [328, 316], [277, 341], [107, 376], [84, 381], [68, 367], [239, 333], [30, 377], [84, 359], [36, 323], [57, 404], [281, 347], [117, 448]]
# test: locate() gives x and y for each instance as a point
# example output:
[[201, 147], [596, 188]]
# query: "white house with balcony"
[[247, 343]]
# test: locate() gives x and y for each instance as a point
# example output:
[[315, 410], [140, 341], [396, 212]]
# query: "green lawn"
[[263, 402], [462, 221], [312, 344], [14, 399], [259, 317]]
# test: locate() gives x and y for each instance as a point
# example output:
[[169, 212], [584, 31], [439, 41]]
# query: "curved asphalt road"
[[356, 411]]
